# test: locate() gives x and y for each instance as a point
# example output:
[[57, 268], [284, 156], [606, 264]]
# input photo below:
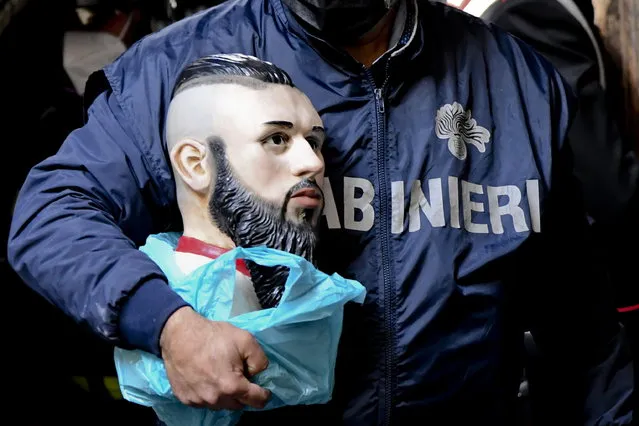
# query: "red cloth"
[[195, 246]]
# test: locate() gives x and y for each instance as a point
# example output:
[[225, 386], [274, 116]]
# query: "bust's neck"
[[196, 218], [208, 234], [191, 254], [189, 262], [195, 253]]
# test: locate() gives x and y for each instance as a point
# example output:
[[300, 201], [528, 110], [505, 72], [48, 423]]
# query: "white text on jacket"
[[460, 206]]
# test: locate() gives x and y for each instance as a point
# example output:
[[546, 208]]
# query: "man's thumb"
[[254, 357]]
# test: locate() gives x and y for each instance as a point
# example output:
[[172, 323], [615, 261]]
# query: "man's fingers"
[[222, 397], [254, 396], [227, 403], [239, 388], [254, 357]]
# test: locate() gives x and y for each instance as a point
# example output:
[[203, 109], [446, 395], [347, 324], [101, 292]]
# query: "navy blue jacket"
[[449, 196]]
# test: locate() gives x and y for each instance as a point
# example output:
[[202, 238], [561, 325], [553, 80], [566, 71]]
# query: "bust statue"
[[244, 146]]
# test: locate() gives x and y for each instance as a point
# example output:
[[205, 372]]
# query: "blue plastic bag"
[[299, 336]]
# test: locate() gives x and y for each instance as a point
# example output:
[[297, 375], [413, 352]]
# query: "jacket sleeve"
[[78, 220], [572, 315]]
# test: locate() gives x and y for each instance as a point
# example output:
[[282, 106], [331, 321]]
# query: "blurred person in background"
[[605, 162]]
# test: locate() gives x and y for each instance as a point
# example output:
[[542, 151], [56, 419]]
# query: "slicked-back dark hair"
[[230, 69]]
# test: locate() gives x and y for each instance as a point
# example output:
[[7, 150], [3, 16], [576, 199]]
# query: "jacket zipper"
[[385, 215]]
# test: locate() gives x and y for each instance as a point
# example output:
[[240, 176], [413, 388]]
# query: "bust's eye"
[[315, 143], [277, 139]]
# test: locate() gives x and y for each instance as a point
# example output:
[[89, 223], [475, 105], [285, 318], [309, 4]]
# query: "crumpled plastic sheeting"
[[300, 336]]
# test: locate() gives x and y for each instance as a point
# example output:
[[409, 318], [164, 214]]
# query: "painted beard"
[[252, 221]]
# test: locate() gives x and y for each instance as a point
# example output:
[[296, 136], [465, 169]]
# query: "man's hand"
[[206, 362]]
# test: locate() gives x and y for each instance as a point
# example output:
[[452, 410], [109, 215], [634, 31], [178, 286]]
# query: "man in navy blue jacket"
[[448, 191]]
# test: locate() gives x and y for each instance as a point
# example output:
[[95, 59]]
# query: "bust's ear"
[[191, 163]]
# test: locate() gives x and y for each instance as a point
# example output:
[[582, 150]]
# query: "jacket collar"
[[413, 40]]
